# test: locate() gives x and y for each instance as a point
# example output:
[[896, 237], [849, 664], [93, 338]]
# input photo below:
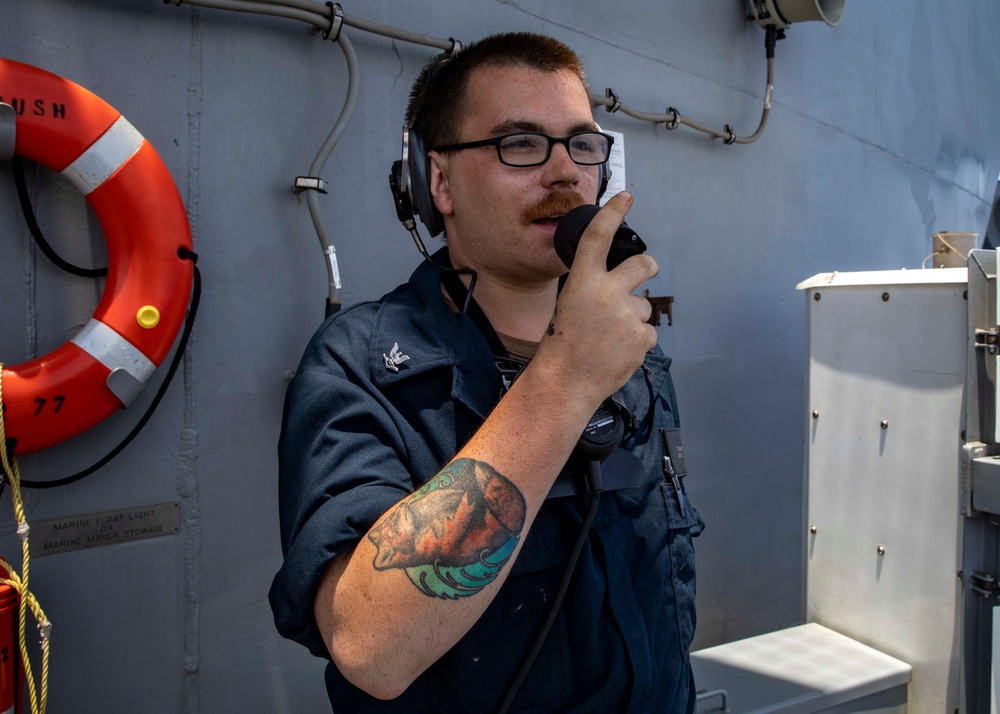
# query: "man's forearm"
[[431, 565]]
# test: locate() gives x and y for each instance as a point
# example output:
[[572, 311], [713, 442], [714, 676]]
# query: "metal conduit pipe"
[[415, 37], [321, 8], [672, 118], [316, 6], [312, 200], [316, 19]]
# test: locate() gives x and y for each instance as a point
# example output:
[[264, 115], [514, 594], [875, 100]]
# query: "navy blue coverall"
[[358, 436]]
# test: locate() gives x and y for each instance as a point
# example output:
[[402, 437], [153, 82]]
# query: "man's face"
[[500, 219]]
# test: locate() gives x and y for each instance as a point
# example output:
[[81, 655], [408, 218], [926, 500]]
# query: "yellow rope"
[[20, 583]]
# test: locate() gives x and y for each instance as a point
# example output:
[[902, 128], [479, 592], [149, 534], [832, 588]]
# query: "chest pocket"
[[475, 673]]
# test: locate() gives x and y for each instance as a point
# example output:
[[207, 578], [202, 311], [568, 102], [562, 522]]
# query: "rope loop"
[[20, 582]]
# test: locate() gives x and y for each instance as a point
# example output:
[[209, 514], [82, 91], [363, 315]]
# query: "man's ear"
[[440, 187]]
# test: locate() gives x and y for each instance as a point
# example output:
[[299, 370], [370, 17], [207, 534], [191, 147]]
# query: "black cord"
[[184, 254], [36, 231], [771, 36], [594, 482], [448, 271]]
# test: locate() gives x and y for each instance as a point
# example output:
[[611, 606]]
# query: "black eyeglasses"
[[531, 148]]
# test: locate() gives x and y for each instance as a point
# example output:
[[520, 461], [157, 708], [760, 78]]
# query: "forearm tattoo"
[[455, 533]]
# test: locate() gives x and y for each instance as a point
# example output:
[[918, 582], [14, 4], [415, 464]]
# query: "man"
[[422, 553]]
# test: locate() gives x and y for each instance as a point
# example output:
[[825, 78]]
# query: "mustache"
[[555, 204]]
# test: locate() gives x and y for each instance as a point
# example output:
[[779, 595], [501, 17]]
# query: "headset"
[[409, 181]]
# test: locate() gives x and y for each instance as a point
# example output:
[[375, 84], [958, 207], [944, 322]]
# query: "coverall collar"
[[442, 338]]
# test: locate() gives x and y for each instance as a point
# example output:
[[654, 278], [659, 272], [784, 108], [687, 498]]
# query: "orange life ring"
[[72, 131]]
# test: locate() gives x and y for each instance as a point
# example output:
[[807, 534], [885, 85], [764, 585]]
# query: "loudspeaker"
[[409, 181], [782, 13]]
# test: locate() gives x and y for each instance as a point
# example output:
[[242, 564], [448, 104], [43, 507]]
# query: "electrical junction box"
[[884, 418], [902, 506]]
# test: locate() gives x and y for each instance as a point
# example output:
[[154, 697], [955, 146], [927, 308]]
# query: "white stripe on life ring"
[[130, 368], [105, 156]]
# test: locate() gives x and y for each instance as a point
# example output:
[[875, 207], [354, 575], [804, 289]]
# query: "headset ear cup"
[[401, 199], [420, 185]]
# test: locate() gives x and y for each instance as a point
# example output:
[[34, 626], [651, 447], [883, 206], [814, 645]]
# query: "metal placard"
[[61, 535]]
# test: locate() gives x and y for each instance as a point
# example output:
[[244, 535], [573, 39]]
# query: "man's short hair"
[[437, 99]]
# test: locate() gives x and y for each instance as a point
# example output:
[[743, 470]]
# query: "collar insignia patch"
[[394, 358]]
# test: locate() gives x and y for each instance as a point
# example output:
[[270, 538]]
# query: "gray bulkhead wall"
[[883, 131]]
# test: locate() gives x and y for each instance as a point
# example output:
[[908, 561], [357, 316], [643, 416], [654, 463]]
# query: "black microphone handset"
[[612, 421], [625, 244]]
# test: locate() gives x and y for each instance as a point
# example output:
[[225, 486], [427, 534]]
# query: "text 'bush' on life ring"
[[70, 130]]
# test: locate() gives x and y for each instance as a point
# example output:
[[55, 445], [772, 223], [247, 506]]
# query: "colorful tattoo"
[[455, 533]]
